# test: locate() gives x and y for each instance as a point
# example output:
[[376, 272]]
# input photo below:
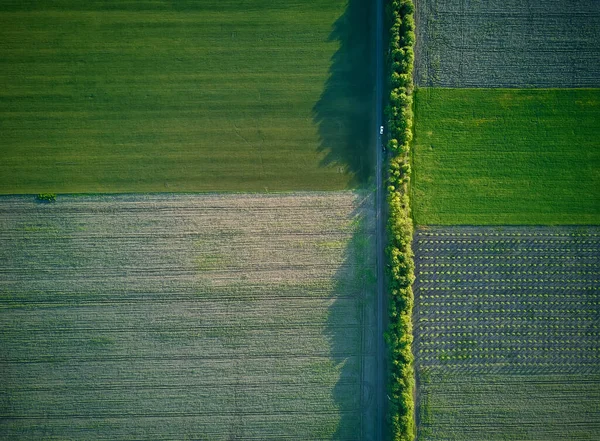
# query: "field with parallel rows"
[[508, 43], [506, 317], [184, 96], [201, 316]]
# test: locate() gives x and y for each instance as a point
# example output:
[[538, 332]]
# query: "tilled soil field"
[[212, 317]]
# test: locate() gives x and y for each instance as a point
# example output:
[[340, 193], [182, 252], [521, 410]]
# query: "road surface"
[[379, 201]]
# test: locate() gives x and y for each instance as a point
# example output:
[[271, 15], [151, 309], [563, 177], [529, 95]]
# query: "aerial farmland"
[[187, 240], [303, 220], [506, 204], [162, 96], [204, 316]]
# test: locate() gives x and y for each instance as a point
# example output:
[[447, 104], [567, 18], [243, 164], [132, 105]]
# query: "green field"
[[506, 156], [533, 407], [211, 95], [211, 317]]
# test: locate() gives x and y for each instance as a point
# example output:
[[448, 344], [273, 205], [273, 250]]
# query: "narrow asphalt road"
[[379, 200]]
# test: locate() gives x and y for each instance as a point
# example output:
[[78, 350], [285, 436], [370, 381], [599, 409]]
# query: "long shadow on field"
[[351, 330], [344, 112]]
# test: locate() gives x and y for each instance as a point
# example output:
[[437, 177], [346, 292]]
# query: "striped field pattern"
[[209, 317]]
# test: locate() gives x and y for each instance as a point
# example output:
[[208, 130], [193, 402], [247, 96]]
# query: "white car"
[[381, 130]]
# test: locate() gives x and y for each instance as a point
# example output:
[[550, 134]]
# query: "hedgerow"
[[400, 226]]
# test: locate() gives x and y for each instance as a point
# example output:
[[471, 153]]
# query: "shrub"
[[46, 197]]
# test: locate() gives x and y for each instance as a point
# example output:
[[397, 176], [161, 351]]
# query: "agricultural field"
[[506, 156], [534, 407], [185, 96], [507, 333], [507, 43], [217, 317]]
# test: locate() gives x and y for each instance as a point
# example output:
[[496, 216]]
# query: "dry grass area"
[[214, 317]]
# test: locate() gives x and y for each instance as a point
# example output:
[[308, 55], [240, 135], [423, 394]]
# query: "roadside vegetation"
[[506, 156], [400, 228]]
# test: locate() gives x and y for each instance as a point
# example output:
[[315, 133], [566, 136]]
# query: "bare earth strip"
[[248, 317], [514, 43], [507, 333]]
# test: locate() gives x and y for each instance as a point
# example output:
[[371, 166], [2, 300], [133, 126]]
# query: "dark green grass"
[[182, 96], [503, 156], [467, 407]]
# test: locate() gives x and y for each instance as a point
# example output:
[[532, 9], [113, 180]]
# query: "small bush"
[[46, 197]]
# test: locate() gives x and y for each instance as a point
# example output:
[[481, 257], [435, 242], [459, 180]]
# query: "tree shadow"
[[345, 110], [351, 330]]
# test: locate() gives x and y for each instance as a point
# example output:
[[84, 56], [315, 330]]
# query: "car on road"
[[381, 130]]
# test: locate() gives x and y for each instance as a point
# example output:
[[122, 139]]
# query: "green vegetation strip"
[[399, 229], [157, 96], [505, 156], [212, 317]]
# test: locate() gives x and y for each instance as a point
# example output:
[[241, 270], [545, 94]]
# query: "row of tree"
[[399, 335]]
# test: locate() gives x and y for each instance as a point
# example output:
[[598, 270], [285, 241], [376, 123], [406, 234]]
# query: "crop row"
[[504, 344], [512, 273], [505, 318], [507, 249], [519, 288], [524, 303], [510, 280], [519, 257], [438, 336], [426, 233], [509, 241], [511, 264]]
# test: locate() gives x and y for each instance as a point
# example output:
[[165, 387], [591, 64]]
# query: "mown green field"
[[506, 156], [205, 317], [211, 95]]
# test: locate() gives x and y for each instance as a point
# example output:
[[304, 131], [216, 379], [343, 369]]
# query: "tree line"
[[399, 113]]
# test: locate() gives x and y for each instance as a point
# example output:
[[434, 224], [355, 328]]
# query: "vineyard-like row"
[[508, 43], [509, 300], [161, 317], [507, 332]]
